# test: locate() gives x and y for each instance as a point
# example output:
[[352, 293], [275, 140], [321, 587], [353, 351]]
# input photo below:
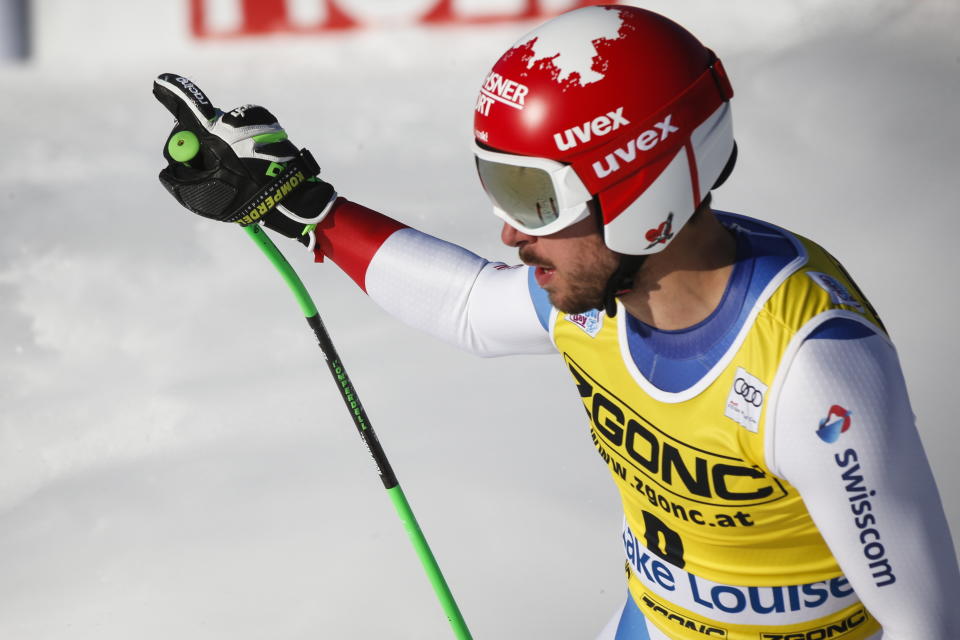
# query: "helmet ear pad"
[[648, 223], [643, 213]]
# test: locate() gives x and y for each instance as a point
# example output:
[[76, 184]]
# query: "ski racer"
[[742, 391]]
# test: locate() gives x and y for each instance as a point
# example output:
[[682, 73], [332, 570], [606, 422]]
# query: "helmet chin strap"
[[621, 281]]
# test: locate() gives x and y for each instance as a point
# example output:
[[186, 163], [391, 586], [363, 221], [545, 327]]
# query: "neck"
[[684, 283]]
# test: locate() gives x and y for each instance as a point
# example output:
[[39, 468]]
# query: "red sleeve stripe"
[[350, 236]]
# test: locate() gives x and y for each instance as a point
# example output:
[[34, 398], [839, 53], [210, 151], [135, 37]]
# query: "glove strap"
[[293, 176]]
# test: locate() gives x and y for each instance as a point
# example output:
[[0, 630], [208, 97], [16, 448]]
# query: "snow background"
[[174, 460]]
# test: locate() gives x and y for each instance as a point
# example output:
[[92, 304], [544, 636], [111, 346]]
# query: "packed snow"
[[176, 462]]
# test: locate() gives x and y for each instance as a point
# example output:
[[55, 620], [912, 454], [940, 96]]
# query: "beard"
[[579, 287]]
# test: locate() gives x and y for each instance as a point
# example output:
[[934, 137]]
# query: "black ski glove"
[[245, 169]]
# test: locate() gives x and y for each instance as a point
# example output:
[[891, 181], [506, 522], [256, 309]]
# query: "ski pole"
[[352, 401]]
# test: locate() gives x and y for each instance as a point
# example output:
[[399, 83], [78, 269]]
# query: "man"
[[740, 387]]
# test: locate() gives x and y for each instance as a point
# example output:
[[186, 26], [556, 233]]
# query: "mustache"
[[530, 259]]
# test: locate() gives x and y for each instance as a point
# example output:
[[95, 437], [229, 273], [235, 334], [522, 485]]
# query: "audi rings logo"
[[748, 392], [745, 400]]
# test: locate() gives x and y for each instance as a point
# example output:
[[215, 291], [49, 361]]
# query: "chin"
[[574, 304]]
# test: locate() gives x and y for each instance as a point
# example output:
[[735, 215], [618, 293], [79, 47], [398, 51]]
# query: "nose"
[[514, 237]]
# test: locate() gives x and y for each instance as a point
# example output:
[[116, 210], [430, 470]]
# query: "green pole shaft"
[[349, 395], [262, 240], [429, 563]]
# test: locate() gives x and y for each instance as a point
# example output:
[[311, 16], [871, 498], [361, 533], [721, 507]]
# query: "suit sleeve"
[[483, 307], [845, 438]]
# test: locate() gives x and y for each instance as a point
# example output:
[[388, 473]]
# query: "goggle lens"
[[526, 194]]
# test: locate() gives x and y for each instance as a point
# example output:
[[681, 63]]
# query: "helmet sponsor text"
[[644, 142], [496, 88], [598, 127]]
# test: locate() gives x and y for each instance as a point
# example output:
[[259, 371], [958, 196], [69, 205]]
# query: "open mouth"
[[543, 275], [543, 271]]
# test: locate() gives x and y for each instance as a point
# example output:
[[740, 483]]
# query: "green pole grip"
[[429, 562]]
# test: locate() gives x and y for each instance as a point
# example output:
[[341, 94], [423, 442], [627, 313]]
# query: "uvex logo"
[[599, 126], [644, 142]]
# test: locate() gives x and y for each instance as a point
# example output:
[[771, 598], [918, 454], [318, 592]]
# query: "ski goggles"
[[536, 196]]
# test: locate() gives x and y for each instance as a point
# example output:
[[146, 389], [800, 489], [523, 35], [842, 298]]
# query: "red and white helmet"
[[612, 102]]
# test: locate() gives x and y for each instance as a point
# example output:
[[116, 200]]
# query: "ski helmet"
[[612, 104]]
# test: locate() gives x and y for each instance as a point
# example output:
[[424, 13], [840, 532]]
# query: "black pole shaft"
[[352, 400]]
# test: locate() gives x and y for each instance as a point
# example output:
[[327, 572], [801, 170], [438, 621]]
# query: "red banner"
[[237, 18]]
